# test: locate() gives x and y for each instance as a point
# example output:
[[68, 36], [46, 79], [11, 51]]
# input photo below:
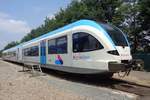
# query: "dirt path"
[[16, 85]]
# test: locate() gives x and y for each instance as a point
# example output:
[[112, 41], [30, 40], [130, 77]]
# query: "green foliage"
[[11, 44], [0, 53], [144, 16], [143, 26], [102, 10], [129, 12]]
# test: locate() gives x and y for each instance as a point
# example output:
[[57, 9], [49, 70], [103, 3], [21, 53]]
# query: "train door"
[[20, 53], [86, 50], [17, 54], [43, 52]]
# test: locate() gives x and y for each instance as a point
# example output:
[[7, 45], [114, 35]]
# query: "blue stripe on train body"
[[77, 23]]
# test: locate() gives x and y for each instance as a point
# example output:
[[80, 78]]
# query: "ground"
[[139, 77], [16, 85]]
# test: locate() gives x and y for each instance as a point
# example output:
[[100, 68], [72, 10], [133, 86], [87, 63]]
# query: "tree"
[[103, 10], [0, 53], [130, 12], [144, 14], [144, 25], [11, 44]]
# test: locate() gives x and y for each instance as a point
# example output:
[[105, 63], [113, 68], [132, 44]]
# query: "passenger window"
[[84, 42], [25, 51], [61, 45], [52, 49], [35, 51], [58, 45], [32, 51]]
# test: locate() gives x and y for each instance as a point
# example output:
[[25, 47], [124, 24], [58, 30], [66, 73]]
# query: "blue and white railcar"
[[85, 47], [13, 54]]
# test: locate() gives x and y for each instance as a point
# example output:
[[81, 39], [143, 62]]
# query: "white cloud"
[[3, 15], [11, 29], [9, 25]]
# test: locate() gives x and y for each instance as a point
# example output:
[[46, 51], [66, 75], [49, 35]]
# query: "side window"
[[58, 45], [84, 42], [52, 49], [61, 45], [36, 51], [25, 52], [32, 51]]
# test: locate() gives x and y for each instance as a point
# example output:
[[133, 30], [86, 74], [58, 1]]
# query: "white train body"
[[84, 47]]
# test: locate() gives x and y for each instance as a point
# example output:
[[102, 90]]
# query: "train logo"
[[58, 60]]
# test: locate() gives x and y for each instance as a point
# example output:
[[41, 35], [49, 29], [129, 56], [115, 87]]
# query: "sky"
[[18, 17]]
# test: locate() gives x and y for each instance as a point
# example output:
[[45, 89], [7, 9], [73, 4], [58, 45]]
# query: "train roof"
[[77, 23]]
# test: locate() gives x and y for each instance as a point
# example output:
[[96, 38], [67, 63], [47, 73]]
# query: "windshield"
[[115, 34]]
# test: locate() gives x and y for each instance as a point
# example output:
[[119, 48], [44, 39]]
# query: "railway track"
[[117, 84], [131, 87]]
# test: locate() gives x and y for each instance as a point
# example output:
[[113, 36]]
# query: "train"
[[82, 47]]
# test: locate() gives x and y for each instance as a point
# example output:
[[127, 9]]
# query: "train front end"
[[120, 55]]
